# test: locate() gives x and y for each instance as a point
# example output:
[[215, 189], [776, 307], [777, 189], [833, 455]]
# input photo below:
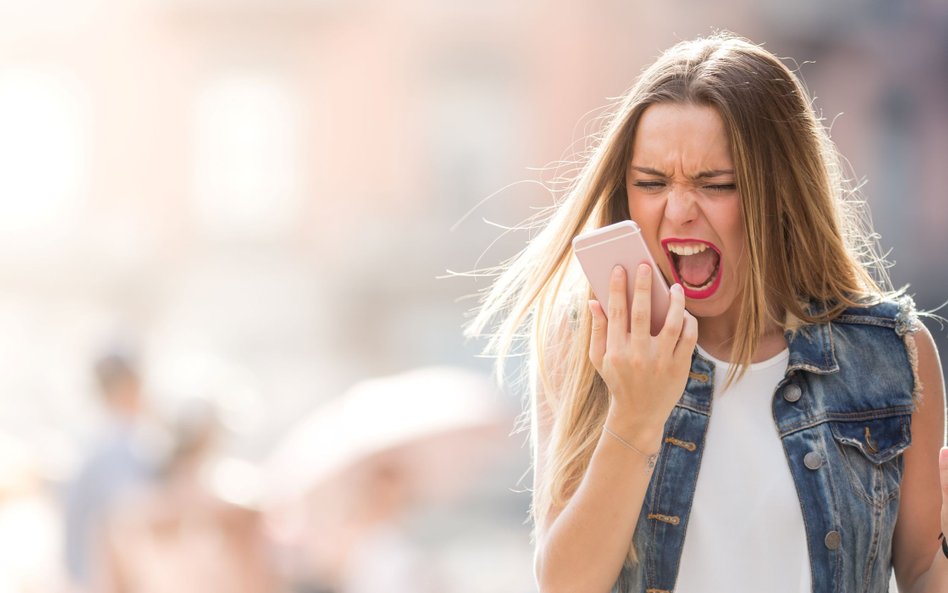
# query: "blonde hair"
[[806, 239]]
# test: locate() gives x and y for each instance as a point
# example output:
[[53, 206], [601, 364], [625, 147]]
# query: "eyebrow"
[[700, 175]]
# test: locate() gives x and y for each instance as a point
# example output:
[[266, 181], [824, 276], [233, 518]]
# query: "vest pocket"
[[871, 449]]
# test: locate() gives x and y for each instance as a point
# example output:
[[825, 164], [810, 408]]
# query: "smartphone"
[[601, 250]]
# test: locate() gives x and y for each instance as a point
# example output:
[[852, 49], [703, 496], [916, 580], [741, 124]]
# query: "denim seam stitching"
[[835, 526], [846, 417], [859, 320], [692, 408], [694, 479]]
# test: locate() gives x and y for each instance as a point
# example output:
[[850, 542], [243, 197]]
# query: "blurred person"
[[29, 525], [182, 536], [122, 461], [805, 389]]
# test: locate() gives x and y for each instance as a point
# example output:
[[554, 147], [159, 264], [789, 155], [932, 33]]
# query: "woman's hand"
[[646, 375]]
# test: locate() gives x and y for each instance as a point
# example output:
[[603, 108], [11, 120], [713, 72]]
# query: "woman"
[[819, 469]]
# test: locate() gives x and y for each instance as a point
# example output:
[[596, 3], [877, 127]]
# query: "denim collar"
[[810, 345], [811, 349]]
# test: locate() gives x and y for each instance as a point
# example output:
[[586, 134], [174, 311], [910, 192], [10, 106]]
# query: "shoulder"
[[924, 344], [926, 365], [900, 314], [897, 312], [877, 337]]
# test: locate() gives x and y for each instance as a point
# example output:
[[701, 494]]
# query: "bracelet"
[[650, 459], [944, 544]]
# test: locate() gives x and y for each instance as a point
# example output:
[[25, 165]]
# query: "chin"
[[717, 305]]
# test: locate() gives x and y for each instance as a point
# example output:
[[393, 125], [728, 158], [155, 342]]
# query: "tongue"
[[697, 269]]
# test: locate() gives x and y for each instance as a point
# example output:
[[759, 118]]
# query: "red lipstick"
[[692, 293]]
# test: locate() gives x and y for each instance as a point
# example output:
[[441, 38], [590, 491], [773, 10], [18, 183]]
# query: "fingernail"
[[617, 271], [643, 270], [592, 306], [677, 288]]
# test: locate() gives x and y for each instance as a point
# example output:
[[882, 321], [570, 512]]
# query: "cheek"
[[732, 231], [647, 213], [648, 220], [734, 243]]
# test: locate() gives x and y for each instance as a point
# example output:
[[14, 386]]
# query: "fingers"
[[597, 341], [642, 302], [668, 337], [680, 332], [689, 337], [618, 327]]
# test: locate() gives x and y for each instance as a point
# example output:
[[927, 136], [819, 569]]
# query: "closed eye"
[[722, 187], [649, 185]]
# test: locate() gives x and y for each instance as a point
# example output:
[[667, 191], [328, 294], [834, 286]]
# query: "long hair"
[[806, 239]]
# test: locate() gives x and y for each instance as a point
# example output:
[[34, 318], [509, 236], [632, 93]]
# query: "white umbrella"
[[441, 421]]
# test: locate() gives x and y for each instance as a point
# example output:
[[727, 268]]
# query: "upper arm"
[[916, 531]]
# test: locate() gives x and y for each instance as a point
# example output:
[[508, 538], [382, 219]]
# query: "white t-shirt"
[[746, 532]]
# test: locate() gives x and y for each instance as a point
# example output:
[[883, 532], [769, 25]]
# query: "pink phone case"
[[601, 250]]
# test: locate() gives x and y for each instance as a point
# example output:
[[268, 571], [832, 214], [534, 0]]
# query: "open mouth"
[[695, 264]]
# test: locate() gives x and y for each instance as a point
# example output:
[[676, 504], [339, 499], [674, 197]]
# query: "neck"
[[716, 335]]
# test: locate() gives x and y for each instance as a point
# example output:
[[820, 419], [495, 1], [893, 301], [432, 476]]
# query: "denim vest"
[[843, 413]]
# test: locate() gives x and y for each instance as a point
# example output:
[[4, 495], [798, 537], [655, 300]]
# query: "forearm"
[[586, 545], [935, 579]]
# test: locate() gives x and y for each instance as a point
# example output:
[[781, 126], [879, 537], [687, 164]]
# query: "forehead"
[[681, 137]]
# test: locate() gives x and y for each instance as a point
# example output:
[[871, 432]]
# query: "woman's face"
[[681, 192]]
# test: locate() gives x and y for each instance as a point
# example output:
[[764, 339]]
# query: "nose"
[[680, 206]]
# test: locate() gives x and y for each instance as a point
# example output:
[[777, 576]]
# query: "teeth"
[[678, 249]]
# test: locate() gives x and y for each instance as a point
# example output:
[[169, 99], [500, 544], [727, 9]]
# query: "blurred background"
[[221, 221]]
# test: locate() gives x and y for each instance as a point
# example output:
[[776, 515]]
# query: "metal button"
[[792, 393], [832, 540], [812, 460]]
